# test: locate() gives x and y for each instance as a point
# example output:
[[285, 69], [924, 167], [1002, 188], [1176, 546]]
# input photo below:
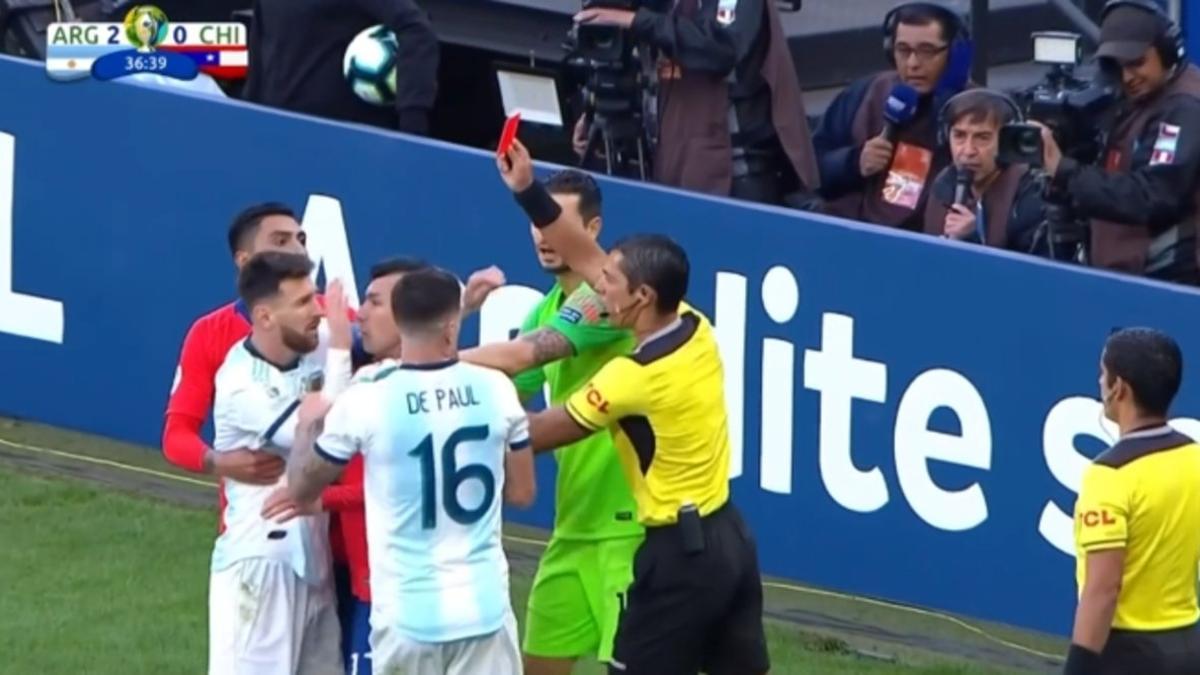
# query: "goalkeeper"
[[577, 594]]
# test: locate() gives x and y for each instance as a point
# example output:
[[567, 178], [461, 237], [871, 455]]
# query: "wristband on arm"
[[537, 203], [1082, 661]]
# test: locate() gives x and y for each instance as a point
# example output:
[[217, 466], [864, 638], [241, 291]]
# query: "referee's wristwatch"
[[1082, 661]]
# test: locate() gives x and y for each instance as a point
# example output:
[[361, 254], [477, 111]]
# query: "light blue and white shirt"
[[433, 439], [254, 407]]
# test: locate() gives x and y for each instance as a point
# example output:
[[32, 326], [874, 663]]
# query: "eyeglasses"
[[922, 52]]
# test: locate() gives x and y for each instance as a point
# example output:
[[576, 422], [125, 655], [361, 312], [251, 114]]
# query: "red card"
[[509, 134]]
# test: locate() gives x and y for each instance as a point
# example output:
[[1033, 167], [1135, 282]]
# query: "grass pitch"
[[103, 581]]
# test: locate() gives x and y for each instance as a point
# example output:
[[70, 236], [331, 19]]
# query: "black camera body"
[[602, 45], [1073, 108], [1020, 143]]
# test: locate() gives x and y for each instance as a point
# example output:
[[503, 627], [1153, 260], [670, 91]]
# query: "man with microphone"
[[877, 145], [979, 198]]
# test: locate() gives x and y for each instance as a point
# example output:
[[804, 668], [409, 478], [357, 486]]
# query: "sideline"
[[541, 543]]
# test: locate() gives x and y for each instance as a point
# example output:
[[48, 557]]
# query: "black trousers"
[[1168, 652], [687, 613]]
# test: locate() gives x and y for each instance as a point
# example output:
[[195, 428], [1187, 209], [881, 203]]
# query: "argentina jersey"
[[254, 408], [434, 440]]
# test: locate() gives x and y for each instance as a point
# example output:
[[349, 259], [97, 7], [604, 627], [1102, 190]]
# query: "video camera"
[[615, 89], [1072, 107]]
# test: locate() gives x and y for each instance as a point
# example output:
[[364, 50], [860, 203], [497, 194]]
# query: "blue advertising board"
[[911, 417]]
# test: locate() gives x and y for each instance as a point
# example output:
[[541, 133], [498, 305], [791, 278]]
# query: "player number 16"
[[452, 477]]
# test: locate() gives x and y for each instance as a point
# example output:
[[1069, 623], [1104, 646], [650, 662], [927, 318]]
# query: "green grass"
[[135, 571], [104, 582]]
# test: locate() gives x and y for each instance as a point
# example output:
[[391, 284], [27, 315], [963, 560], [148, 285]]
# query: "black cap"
[[1127, 32]]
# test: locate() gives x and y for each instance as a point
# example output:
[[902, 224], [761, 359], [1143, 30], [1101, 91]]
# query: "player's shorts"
[[690, 613], [265, 620], [495, 654], [1164, 652], [576, 597], [358, 641]]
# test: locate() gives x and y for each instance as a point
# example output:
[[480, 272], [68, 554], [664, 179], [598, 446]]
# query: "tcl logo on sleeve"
[[596, 399], [1094, 518]]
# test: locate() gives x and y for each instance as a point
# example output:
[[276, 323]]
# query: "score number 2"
[[452, 477]]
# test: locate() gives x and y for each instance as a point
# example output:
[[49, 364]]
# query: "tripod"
[[619, 140], [1064, 236]]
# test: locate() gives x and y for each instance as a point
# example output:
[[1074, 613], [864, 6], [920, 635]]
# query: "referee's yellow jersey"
[[665, 405], [1143, 495]]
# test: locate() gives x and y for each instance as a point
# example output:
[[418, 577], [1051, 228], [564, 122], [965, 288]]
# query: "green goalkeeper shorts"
[[577, 596]]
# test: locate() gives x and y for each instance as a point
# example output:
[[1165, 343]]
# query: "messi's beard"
[[298, 341]]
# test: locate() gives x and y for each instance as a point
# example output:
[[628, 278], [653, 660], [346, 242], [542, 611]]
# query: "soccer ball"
[[370, 65]]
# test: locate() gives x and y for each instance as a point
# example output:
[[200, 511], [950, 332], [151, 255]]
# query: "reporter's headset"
[[1169, 42], [943, 117], [959, 52]]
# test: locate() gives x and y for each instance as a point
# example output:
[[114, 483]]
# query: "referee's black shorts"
[[1166, 652], [686, 613]]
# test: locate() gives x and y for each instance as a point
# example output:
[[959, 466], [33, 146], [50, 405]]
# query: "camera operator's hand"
[[875, 157], [1051, 153], [960, 222], [516, 167], [599, 16]]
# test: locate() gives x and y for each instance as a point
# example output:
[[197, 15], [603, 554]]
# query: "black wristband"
[[538, 205], [1082, 661]]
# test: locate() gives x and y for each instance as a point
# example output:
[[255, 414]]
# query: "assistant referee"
[[695, 603], [1137, 522]]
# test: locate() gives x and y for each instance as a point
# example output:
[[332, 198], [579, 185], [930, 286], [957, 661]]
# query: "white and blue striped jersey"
[[254, 407], [433, 439]]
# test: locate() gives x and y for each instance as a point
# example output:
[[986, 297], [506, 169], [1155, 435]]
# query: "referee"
[[1137, 522], [695, 603]]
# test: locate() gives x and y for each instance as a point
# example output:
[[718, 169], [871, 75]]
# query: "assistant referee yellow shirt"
[[1143, 495], [665, 404]]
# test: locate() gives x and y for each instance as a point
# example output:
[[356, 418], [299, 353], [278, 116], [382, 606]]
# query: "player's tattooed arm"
[[308, 472], [530, 350], [548, 345]]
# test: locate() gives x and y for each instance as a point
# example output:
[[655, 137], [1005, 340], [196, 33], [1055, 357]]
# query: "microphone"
[[962, 183], [900, 107]]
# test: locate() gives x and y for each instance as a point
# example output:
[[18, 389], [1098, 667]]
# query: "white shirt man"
[[271, 601]]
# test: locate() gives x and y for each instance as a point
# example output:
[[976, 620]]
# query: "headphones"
[[955, 23], [943, 118], [1170, 43]]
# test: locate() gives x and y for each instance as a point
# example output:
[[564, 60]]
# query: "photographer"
[[1143, 201], [978, 198], [877, 144], [731, 113]]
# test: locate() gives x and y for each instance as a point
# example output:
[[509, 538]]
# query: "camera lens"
[[1030, 141]]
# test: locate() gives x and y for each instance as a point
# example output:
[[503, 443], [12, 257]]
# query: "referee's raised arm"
[[1137, 522]]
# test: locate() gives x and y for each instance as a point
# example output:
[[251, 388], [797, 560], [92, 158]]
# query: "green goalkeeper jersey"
[[593, 499]]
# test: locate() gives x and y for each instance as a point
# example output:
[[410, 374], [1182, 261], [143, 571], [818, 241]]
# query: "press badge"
[[906, 177], [1165, 145], [726, 11]]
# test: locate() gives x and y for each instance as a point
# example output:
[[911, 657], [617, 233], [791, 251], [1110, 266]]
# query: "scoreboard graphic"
[[145, 42]]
